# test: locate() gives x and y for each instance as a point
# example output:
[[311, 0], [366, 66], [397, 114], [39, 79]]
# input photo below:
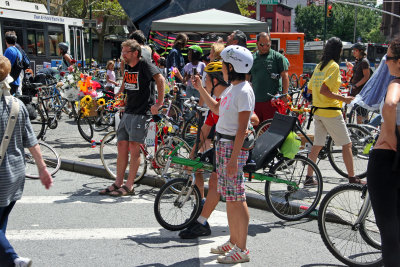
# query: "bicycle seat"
[[267, 144]]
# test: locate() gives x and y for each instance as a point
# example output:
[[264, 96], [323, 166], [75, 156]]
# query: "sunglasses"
[[392, 58], [265, 44]]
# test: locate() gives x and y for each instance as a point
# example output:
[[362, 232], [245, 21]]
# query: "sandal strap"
[[126, 189]]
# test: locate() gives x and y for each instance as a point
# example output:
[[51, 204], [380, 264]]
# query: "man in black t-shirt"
[[132, 130]]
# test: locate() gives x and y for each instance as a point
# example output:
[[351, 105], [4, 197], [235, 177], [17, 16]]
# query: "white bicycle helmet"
[[239, 56]]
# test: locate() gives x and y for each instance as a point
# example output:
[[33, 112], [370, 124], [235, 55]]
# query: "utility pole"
[[325, 20], [258, 10], [355, 24], [90, 38]]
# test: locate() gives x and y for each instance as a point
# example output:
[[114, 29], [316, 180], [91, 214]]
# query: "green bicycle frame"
[[196, 164]]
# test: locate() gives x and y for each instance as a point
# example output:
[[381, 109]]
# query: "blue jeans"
[[7, 253]]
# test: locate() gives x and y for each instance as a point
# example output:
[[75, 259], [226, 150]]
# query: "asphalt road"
[[71, 225]]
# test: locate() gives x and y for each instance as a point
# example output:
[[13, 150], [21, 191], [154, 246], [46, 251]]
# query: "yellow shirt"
[[330, 75]]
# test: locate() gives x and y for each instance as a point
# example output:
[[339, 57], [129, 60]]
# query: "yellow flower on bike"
[[101, 102], [87, 100], [85, 112]]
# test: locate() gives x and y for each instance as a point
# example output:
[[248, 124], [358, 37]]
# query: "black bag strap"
[[314, 109]]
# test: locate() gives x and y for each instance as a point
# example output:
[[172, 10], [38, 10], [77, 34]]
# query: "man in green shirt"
[[268, 68]]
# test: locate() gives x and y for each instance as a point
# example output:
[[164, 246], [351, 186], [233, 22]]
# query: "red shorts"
[[265, 110], [211, 119]]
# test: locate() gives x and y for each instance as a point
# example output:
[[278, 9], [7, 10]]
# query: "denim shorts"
[[133, 127]]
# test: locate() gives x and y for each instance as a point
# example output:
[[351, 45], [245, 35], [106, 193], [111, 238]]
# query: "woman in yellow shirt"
[[328, 118]]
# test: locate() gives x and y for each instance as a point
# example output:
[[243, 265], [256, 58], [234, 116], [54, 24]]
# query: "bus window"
[[40, 44], [31, 43], [56, 35]]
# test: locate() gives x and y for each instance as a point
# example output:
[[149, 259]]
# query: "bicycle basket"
[[291, 145]]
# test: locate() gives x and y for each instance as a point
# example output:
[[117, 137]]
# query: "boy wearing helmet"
[[361, 74], [194, 66], [234, 110], [66, 58]]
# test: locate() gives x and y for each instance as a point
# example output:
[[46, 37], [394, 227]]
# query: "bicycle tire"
[[50, 157], [336, 218], [102, 122], [109, 154], [177, 217], [85, 128], [39, 123], [359, 137], [286, 202], [175, 113], [263, 127]]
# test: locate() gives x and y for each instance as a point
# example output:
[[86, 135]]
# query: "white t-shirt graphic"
[[235, 99]]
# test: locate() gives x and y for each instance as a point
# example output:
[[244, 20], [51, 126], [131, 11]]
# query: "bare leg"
[[238, 219], [212, 197], [134, 164], [122, 161], [348, 159], [313, 156], [200, 183]]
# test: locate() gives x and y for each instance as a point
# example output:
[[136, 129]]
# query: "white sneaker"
[[236, 255], [22, 262], [224, 248]]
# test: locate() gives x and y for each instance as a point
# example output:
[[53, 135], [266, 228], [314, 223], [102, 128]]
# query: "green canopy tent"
[[209, 21]]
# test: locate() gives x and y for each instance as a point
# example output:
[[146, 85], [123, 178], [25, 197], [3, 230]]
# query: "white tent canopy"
[[207, 21]]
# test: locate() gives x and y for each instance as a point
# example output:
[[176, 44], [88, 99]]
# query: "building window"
[[269, 8], [289, 27], [269, 23], [277, 25], [283, 26]]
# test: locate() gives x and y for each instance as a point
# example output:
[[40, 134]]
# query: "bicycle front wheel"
[[360, 138], [39, 123], [85, 128], [177, 204], [50, 157], [346, 240], [109, 154], [287, 202]]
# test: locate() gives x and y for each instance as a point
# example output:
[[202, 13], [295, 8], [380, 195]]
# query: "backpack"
[[16, 68], [25, 59]]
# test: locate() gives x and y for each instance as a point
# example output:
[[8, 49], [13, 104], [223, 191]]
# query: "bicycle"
[[347, 226], [157, 137], [177, 203], [50, 157]]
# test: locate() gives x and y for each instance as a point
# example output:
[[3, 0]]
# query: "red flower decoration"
[[73, 61], [62, 74]]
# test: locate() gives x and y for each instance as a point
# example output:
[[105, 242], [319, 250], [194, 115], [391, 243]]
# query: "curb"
[[253, 200]]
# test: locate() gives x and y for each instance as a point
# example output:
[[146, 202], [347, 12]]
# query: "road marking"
[[90, 234], [84, 200]]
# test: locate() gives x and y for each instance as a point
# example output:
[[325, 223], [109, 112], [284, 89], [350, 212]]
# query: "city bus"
[[375, 52], [39, 33]]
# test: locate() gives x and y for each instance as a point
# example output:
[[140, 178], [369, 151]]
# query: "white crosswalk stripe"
[[218, 218]]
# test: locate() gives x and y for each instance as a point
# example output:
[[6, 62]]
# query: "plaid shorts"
[[230, 188]]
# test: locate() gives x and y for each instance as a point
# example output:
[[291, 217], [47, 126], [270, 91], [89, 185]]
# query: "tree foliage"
[[244, 7], [310, 20]]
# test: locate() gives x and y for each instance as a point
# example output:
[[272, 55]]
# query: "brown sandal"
[[124, 192], [108, 191], [356, 180]]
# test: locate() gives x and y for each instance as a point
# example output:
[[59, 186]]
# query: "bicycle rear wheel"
[[177, 204], [263, 127], [347, 241], [39, 123], [285, 201], [50, 157], [109, 154], [360, 138]]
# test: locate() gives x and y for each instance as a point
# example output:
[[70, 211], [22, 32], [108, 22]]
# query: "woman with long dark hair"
[[384, 165], [327, 101]]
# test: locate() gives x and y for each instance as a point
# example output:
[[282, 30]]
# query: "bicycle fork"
[[365, 209]]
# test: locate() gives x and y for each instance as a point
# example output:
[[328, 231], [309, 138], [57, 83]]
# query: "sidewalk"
[[78, 156]]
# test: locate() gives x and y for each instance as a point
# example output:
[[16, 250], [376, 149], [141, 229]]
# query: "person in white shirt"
[[234, 110], [111, 83]]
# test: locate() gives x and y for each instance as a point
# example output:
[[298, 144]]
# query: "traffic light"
[[329, 11]]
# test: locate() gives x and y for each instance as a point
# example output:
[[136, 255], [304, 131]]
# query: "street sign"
[[269, 2], [90, 23]]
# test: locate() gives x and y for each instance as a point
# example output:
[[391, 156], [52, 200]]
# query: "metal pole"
[[90, 38], [355, 24], [258, 10], [325, 20], [48, 7]]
